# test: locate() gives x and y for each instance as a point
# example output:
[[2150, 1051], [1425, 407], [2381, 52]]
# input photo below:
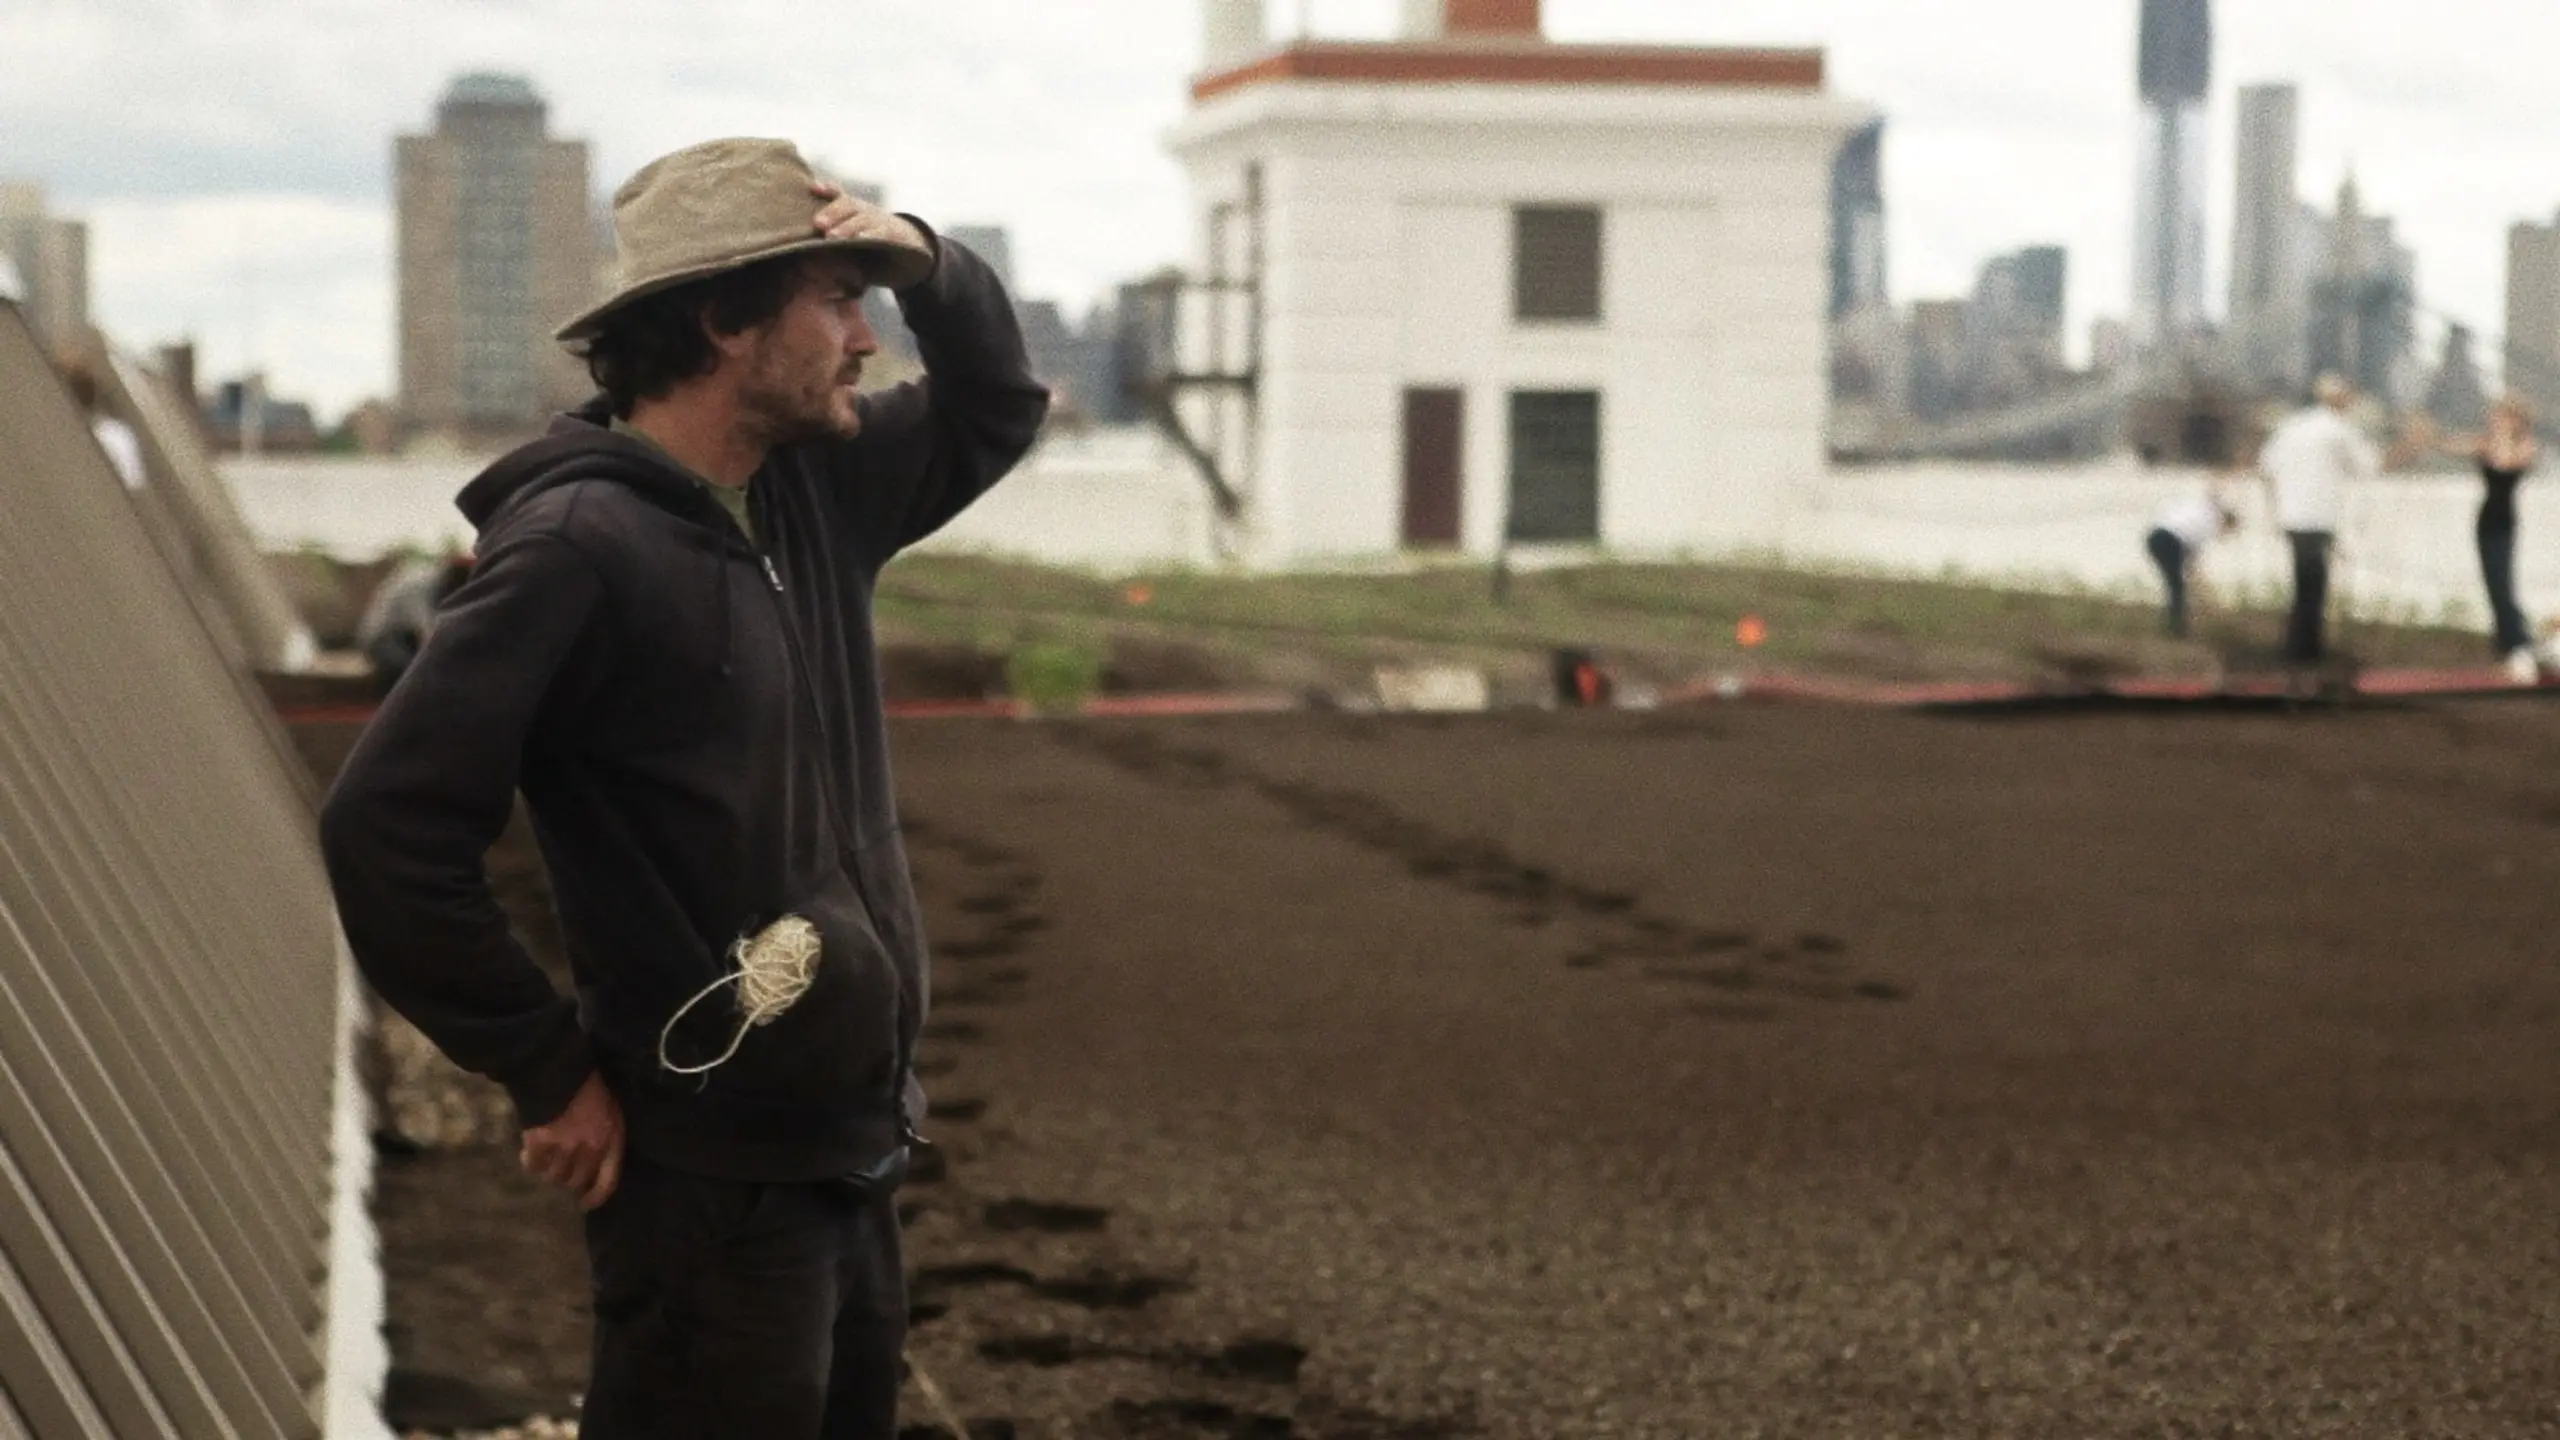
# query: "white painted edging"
[[358, 1357]]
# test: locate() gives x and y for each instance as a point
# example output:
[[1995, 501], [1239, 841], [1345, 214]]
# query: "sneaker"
[[2523, 668]]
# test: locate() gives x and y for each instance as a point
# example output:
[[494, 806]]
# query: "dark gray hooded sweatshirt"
[[695, 723]]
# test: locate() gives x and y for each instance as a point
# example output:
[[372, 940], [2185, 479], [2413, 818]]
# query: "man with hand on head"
[[666, 645]]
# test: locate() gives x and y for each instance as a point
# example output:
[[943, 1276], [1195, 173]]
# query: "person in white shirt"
[[2179, 534], [2307, 463]]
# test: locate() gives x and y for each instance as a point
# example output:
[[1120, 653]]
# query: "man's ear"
[[735, 345]]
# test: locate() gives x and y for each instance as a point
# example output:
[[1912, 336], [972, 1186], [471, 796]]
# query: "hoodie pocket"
[[834, 1049]]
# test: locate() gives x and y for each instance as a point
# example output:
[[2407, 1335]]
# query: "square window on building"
[[1555, 465], [1555, 262]]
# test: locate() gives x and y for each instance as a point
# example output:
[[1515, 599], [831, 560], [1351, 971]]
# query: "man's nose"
[[860, 339]]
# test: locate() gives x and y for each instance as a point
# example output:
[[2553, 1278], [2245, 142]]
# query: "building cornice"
[[1486, 60], [1486, 108]]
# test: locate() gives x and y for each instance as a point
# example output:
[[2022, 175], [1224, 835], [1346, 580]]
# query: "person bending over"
[[2180, 532]]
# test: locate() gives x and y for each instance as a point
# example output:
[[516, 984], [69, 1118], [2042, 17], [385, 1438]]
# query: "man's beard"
[[782, 414]]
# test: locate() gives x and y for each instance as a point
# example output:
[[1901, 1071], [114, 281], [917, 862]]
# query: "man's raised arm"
[[931, 446]]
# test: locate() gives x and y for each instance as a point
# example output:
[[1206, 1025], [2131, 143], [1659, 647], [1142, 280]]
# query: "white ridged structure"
[[182, 1154]]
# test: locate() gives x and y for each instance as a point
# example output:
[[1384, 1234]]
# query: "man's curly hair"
[[647, 348]]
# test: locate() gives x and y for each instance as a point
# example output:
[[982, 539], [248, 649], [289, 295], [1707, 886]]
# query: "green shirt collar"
[[732, 499]]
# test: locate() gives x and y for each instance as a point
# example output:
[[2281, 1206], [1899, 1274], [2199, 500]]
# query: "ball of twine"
[[774, 968]]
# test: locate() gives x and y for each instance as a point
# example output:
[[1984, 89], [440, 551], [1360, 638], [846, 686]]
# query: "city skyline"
[[259, 221]]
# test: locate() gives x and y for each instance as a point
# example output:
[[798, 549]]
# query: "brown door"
[[1434, 430]]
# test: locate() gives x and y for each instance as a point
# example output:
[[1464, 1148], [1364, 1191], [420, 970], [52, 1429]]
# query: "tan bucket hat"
[[724, 204]]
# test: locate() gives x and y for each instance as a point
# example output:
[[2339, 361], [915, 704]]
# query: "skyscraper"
[[1857, 222], [2176, 69], [2364, 286], [1940, 330], [2533, 315], [2456, 398], [2043, 274], [2270, 285], [51, 256], [2013, 329], [2019, 299], [991, 243], [496, 248], [1871, 366]]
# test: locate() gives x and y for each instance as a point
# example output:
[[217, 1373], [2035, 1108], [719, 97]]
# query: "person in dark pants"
[[666, 646], [729, 1307], [2305, 628], [2179, 535], [2308, 462], [2505, 455]]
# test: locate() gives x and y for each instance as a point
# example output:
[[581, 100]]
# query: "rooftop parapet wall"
[[1505, 62]]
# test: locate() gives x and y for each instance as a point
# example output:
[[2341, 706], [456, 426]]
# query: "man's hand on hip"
[[581, 1151]]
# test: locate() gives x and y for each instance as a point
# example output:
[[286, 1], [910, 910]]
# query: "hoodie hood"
[[581, 445]]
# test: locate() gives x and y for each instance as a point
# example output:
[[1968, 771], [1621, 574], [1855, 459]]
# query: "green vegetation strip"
[[1674, 616]]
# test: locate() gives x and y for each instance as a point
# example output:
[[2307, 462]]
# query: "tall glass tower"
[[2270, 282], [1857, 222], [2168, 244]]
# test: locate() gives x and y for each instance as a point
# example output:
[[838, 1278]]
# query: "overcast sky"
[[234, 156]]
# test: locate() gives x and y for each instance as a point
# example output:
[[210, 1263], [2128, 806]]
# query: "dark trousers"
[[726, 1309], [2498, 569], [2170, 554], [2305, 632]]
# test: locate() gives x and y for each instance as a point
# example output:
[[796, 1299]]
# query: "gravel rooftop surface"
[[1750, 1072]]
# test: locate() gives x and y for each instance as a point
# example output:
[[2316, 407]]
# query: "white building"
[[1472, 282]]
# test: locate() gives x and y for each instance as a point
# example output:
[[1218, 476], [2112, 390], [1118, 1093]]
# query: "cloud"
[[2010, 123], [1041, 116], [294, 284]]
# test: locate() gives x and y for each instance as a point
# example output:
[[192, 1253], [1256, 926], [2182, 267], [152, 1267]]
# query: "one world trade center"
[[2168, 247]]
